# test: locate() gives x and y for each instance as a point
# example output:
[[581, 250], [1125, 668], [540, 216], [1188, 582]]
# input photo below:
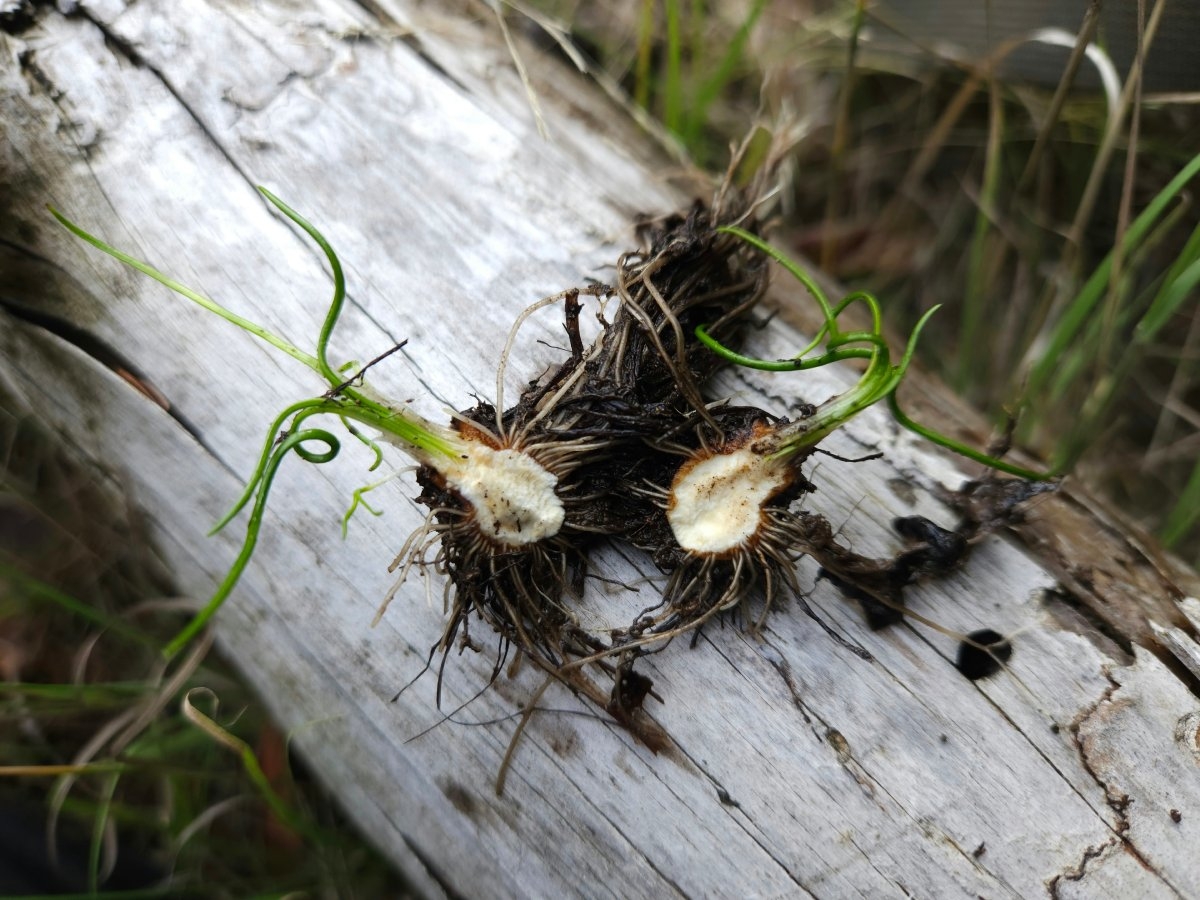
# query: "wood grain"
[[402, 130]]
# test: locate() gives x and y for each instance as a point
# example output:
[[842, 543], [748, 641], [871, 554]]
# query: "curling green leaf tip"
[[287, 432], [880, 380], [182, 289]]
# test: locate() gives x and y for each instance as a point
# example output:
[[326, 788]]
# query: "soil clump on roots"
[[640, 454], [620, 442], [593, 423]]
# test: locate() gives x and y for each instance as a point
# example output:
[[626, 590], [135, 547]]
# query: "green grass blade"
[[715, 83], [40, 591], [1083, 305], [250, 764], [1186, 512], [211, 305], [100, 693], [673, 91], [645, 51], [1176, 290], [973, 353], [910, 349], [107, 791]]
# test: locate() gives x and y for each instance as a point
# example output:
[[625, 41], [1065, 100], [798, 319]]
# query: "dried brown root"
[[592, 421]]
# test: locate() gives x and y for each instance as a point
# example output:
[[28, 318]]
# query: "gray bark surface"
[[797, 769]]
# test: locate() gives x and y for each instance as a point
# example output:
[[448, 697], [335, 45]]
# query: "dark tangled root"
[[518, 592], [752, 578], [649, 368], [593, 422]]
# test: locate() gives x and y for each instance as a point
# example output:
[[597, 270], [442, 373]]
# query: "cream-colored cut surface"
[[716, 504], [1056, 777], [512, 494]]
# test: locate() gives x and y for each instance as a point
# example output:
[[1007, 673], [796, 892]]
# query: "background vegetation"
[[922, 178], [1047, 215], [117, 771]]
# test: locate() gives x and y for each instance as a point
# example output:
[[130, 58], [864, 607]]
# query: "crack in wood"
[[522, 846], [732, 808], [1118, 801], [430, 868], [1077, 872], [883, 876], [85, 138], [125, 49], [824, 731]]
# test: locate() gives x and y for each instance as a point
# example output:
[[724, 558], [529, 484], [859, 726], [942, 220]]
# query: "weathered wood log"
[[797, 768]]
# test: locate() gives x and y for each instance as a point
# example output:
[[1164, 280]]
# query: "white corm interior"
[[512, 494], [716, 502]]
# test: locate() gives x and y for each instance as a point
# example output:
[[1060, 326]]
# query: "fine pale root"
[[756, 564], [414, 553], [506, 354]]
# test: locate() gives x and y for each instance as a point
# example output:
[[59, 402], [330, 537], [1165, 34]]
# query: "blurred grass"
[[921, 179], [119, 775], [1029, 210]]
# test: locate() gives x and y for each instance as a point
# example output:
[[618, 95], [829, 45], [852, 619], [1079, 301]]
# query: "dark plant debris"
[[635, 402], [621, 441], [983, 653]]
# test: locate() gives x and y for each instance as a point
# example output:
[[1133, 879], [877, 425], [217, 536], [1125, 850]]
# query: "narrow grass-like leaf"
[[645, 51], [211, 305], [1170, 298], [673, 93], [1186, 512], [100, 825], [973, 354], [250, 764], [1081, 308], [1180, 282], [38, 590], [339, 285], [90, 693], [712, 86], [963, 450]]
